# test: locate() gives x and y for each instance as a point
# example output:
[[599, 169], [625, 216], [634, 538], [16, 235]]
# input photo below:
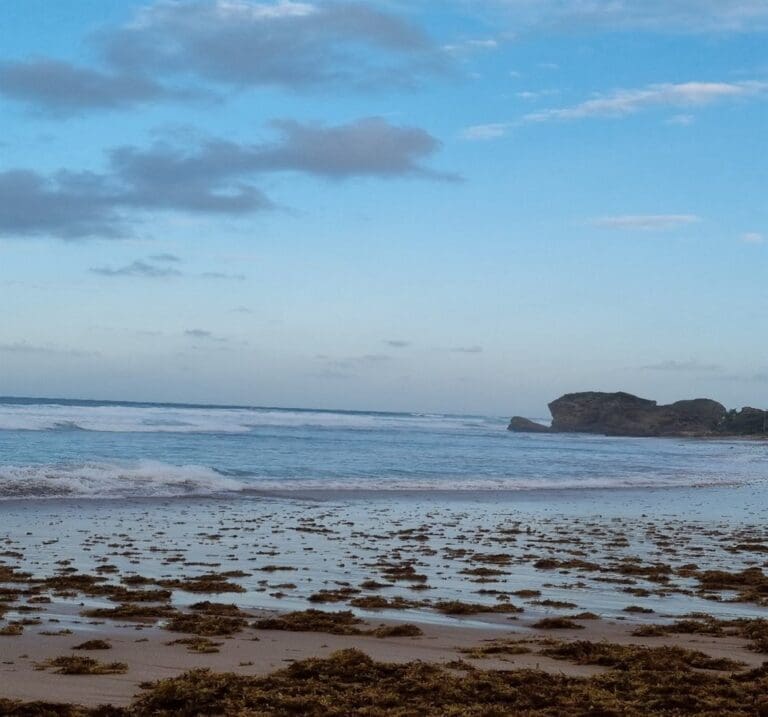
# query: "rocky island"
[[622, 414]]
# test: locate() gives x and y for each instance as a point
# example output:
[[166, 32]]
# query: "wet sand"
[[468, 571], [149, 657]]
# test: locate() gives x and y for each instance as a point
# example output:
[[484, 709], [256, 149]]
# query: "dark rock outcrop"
[[622, 414], [747, 422], [525, 425]]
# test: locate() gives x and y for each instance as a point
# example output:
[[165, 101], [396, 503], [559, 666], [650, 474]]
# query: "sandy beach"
[[371, 358], [472, 583]]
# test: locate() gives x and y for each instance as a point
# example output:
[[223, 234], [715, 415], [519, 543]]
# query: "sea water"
[[104, 449]]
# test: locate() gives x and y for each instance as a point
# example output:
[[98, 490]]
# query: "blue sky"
[[467, 206]]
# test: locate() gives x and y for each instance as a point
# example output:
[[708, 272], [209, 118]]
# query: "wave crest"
[[128, 418], [155, 479], [112, 480]]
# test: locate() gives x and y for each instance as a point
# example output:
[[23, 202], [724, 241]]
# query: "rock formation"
[[525, 425], [622, 414]]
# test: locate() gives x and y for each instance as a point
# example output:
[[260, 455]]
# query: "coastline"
[[533, 554], [149, 657]]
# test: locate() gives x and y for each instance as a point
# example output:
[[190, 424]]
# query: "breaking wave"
[[155, 479], [158, 418], [112, 480]]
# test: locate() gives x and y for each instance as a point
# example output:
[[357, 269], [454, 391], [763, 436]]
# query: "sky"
[[469, 206]]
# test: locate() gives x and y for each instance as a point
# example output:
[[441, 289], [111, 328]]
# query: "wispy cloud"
[[664, 16], [467, 349], [170, 258], [137, 268], [204, 340], [22, 347], [753, 238], [622, 103], [483, 132], [646, 222], [222, 275], [349, 363], [397, 343], [757, 377], [681, 120], [333, 374], [371, 358], [471, 46], [690, 366]]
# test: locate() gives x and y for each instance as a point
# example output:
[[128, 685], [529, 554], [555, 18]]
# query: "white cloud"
[[753, 238], [251, 11], [22, 347], [681, 120], [671, 16], [536, 94], [467, 349], [480, 132], [646, 221], [623, 103], [691, 365], [472, 45]]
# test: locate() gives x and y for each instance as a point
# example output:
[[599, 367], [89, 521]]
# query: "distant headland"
[[622, 414]]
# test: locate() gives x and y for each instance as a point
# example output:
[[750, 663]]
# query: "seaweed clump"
[[496, 648], [206, 624], [17, 708], [751, 584], [129, 611], [335, 623], [351, 684], [209, 583], [198, 644], [12, 630], [76, 665], [456, 607], [377, 602], [636, 657], [755, 630], [404, 630], [557, 623], [93, 645], [217, 608]]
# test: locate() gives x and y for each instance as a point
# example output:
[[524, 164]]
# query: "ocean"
[[56, 448]]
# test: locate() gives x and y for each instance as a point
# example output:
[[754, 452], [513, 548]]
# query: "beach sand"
[[472, 574]]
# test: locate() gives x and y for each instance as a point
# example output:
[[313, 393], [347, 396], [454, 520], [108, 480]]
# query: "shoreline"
[[149, 656], [335, 493], [470, 576]]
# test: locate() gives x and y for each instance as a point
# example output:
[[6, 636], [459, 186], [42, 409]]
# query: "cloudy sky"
[[463, 205]]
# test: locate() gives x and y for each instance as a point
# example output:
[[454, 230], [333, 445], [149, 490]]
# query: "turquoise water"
[[55, 448]]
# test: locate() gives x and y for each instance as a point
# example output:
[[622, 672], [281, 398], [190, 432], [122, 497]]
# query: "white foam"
[[179, 419], [112, 480], [155, 479], [469, 484]]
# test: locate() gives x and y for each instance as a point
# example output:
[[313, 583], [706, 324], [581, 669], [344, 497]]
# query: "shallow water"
[[342, 540]]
